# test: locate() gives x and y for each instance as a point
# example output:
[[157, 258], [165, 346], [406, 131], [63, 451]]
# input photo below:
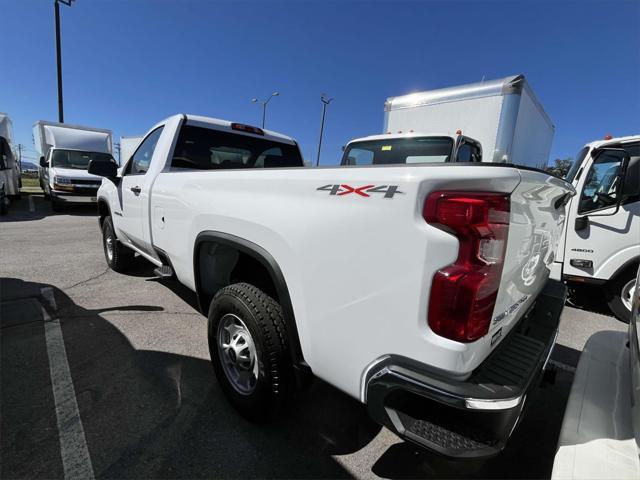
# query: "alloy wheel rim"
[[238, 354], [627, 294], [108, 241]]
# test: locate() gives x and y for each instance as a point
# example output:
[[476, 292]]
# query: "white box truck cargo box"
[[9, 161], [128, 146], [47, 135], [504, 115]]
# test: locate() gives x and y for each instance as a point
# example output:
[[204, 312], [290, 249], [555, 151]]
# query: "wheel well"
[[631, 265], [221, 259], [103, 211]]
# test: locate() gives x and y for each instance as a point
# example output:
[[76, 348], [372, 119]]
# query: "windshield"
[[399, 151], [571, 174], [76, 159]]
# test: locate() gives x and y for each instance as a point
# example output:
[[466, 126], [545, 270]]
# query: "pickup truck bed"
[[363, 271]]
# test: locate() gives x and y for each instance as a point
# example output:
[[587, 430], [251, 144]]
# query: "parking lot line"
[[76, 460]]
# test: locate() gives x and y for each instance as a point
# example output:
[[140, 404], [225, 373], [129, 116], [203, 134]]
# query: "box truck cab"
[[65, 152], [497, 121], [601, 241]]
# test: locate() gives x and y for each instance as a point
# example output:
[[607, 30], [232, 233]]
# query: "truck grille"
[[80, 181]]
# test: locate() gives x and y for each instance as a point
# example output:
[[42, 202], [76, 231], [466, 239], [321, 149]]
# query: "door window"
[[600, 188], [141, 159]]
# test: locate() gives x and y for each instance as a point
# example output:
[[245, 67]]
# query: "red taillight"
[[464, 293]]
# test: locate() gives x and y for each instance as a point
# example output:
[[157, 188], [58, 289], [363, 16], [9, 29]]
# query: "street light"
[[264, 105], [325, 101], [59, 55]]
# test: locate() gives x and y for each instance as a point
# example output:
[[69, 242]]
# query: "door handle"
[[136, 190]]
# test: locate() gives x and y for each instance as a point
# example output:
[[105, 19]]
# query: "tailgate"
[[536, 221]]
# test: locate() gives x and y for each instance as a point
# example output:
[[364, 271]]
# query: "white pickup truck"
[[420, 290]]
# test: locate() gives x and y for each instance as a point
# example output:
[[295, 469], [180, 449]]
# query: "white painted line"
[[32, 206], [76, 460]]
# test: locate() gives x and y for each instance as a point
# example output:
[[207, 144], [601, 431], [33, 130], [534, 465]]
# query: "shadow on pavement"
[[588, 297], [150, 413], [33, 206]]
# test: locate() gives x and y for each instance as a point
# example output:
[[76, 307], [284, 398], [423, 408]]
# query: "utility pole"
[[325, 101], [264, 105], [20, 147], [56, 9]]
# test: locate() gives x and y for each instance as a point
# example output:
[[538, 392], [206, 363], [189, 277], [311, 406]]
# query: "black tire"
[[120, 257], [56, 205], [262, 316], [617, 287], [4, 207]]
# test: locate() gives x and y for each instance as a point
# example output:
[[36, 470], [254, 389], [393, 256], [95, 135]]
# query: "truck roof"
[[71, 126], [386, 136], [488, 88], [216, 122], [612, 141]]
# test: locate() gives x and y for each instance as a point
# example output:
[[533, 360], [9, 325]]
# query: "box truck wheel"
[[117, 255], [620, 291], [56, 205], [249, 352]]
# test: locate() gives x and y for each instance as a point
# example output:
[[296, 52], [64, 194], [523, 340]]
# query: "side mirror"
[[103, 169], [43, 162], [581, 223], [631, 184]]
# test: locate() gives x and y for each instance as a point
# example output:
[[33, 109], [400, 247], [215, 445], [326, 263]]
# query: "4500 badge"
[[342, 189]]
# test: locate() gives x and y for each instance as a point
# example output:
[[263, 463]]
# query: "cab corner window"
[[141, 159], [601, 185]]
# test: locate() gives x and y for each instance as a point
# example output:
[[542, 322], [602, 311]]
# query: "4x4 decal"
[[364, 191]]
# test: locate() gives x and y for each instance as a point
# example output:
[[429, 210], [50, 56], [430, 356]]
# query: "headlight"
[[62, 180]]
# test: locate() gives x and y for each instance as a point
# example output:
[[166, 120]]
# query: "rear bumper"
[[474, 417]]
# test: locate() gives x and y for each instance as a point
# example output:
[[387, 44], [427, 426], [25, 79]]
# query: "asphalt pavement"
[[108, 375]]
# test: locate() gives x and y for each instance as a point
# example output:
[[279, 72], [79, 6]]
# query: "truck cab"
[[411, 148], [601, 241]]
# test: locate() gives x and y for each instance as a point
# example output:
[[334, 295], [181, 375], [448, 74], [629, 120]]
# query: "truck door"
[[133, 190], [600, 248]]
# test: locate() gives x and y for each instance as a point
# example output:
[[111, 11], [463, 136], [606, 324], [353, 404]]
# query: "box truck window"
[[601, 186], [399, 151], [571, 174], [76, 159]]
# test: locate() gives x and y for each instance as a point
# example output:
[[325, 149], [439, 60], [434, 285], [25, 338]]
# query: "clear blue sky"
[[128, 64]]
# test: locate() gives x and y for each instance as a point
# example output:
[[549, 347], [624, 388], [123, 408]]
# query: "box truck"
[[498, 121], [65, 152], [9, 165], [128, 145], [600, 243]]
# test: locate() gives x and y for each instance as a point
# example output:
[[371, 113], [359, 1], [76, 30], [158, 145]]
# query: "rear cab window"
[[209, 149]]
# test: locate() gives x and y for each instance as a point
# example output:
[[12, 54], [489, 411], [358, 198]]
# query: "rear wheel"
[[620, 293], [117, 255], [248, 347]]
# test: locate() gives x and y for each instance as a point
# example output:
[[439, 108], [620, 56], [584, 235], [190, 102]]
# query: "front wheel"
[[249, 350], [620, 293], [117, 255]]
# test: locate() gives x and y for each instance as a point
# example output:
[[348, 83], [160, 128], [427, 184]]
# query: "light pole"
[[264, 105], [325, 101], [59, 55]]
